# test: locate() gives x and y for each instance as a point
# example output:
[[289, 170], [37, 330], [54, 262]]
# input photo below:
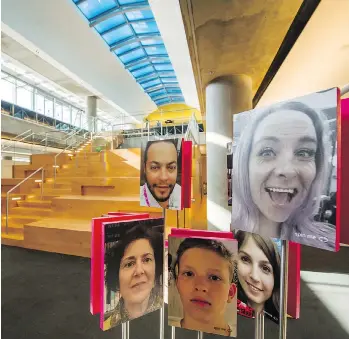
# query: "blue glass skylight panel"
[[169, 79], [161, 61], [91, 8], [151, 83], [129, 2], [148, 80], [139, 15], [157, 94], [147, 76], [132, 56], [117, 35], [174, 90], [145, 27], [143, 71], [110, 23], [166, 74], [126, 48], [147, 60], [139, 66], [156, 50], [162, 101], [151, 41], [177, 99], [163, 67]]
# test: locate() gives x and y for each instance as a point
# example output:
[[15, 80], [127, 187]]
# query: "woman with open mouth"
[[134, 270], [280, 171], [258, 268]]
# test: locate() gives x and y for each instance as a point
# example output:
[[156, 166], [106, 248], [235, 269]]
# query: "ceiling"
[[129, 29], [320, 57], [235, 37], [59, 34]]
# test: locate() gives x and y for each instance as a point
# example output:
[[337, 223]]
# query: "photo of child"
[[202, 293]]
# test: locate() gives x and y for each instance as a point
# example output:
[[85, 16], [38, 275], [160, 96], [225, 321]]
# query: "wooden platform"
[[86, 187]]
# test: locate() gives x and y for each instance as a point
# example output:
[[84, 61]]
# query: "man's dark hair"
[[207, 244], [150, 143]]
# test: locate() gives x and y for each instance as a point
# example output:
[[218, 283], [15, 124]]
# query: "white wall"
[[6, 168]]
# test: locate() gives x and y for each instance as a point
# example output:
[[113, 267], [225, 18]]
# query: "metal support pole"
[[173, 332], [259, 326], [162, 322], [125, 330], [162, 309], [177, 219], [42, 183], [7, 208], [184, 216], [200, 335], [283, 290], [148, 131]]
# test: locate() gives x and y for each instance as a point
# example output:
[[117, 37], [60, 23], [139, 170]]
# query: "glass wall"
[[18, 92]]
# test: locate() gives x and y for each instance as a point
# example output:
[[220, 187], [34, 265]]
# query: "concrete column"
[[91, 113], [224, 97]]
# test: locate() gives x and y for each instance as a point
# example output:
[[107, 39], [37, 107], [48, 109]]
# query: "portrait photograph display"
[[132, 271], [258, 275], [161, 174], [96, 285], [285, 172], [202, 295]]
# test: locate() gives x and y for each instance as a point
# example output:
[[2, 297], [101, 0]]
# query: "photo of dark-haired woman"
[[133, 275], [258, 271], [284, 164]]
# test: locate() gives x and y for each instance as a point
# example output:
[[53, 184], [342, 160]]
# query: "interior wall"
[[6, 168]]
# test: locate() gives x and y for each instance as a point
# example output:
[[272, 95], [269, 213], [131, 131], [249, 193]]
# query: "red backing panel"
[[343, 180], [96, 255], [294, 280], [186, 173]]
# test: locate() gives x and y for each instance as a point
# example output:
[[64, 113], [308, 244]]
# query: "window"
[[48, 107], [8, 90], [39, 103], [58, 111], [76, 117], [24, 95], [66, 114]]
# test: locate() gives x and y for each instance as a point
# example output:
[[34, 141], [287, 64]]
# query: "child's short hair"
[[207, 244]]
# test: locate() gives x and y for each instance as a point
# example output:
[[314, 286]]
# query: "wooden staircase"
[[87, 185]]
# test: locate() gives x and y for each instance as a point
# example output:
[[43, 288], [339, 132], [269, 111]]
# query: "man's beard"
[[152, 187]]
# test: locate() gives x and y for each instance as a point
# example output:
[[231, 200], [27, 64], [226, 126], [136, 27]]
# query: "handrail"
[[20, 140], [29, 130], [13, 188], [55, 166]]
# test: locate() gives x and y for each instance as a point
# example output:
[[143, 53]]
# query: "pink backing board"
[[96, 256], [343, 185]]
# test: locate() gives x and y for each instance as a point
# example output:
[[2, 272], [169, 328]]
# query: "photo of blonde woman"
[[284, 165]]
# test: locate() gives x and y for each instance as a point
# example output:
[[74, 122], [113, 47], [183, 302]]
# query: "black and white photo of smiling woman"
[[282, 169]]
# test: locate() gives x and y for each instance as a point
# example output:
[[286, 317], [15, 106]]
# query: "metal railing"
[[72, 146], [19, 184]]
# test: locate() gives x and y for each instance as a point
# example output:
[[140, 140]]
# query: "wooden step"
[[35, 203], [13, 228], [66, 236], [12, 239], [57, 185], [18, 219], [77, 206], [37, 212], [51, 191]]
